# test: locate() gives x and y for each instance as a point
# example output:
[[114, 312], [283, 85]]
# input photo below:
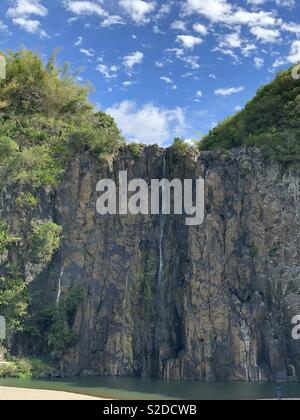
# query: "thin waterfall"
[[125, 294], [59, 286], [247, 344], [162, 231]]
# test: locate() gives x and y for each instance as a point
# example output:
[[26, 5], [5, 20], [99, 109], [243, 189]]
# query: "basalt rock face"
[[209, 302]]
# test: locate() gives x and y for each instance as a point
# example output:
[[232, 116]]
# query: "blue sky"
[[162, 68]]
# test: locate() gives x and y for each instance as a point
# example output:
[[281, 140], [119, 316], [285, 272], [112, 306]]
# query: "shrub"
[[31, 87], [291, 288], [13, 298], [26, 199], [180, 147], [283, 146], [273, 252], [8, 370], [100, 135], [136, 149], [5, 237], [36, 167], [26, 368], [45, 239], [58, 322], [8, 147]]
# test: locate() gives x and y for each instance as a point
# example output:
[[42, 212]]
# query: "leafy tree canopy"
[[270, 121], [46, 116]]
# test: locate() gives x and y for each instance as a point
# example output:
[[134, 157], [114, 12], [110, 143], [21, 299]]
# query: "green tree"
[[13, 298], [270, 121], [46, 116], [45, 239]]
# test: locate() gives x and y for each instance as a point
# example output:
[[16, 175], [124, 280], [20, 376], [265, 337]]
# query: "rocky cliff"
[[161, 299]]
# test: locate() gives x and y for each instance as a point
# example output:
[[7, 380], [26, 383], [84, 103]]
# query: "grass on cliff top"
[[45, 117], [270, 122]]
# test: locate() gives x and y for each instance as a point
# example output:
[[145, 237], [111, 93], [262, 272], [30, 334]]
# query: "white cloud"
[[158, 31], [26, 8], [229, 91], [178, 25], [291, 27], [289, 3], [266, 35], [279, 62], [189, 41], [128, 83], [191, 61], [294, 56], [29, 25], [79, 41], [84, 8], [259, 62], [88, 53], [106, 71], [21, 13], [159, 64], [221, 11], [214, 10], [164, 10], [133, 59], [228, 52], [138, 10], [201, 29], [148, 123], [166, 79], [3, 27], [232, 40], [247, 49], [169, 82], [112, 20]]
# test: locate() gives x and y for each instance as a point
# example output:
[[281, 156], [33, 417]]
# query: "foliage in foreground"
[[26, 368], [270, 121]]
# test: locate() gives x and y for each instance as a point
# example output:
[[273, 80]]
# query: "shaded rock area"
[[209, 302]]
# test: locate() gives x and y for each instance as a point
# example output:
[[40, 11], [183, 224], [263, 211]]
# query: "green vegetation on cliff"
[[51, 327], [5, 238], [44, 117], [45, 240], [270, 121], [26, 368], [13, 295]]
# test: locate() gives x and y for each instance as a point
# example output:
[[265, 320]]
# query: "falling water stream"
[[59, 286], [161, 232]]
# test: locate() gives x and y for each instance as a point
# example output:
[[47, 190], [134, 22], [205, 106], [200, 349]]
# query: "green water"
[[150, 389]]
